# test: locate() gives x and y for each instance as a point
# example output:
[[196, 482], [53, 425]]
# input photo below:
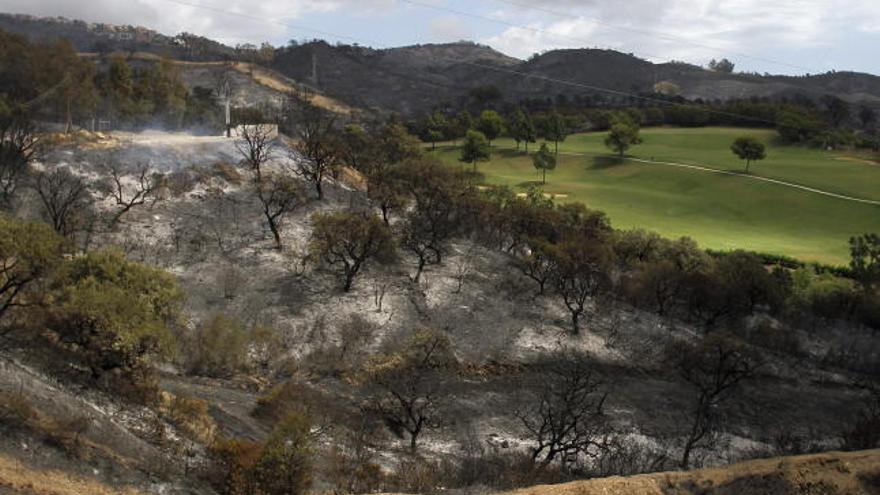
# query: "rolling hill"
[[685, 182], [413, 79], [396, 80]]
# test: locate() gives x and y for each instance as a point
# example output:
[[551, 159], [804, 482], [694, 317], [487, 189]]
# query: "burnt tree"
[[141, 189], [256, 144], [65, 198], [436, 216], [347, 240], [18, 146], [566, 420], [279, 195], [317, 148], [713, 369], [408, 383], [582, 274]]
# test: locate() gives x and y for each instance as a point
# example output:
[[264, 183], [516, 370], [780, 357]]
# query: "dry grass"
[[273, 81], [833, 473], [353, 178], [190, 415], [228, 172], [22, 479], [81, 139], [66, 433]]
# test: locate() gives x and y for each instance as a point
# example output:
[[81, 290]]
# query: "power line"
[[659, 35], [47, 93], [563, 82]]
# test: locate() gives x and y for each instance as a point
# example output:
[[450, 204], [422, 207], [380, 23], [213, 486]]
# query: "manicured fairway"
[[721, 212]]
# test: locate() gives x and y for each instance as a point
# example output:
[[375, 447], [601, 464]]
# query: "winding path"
[[740, 174]]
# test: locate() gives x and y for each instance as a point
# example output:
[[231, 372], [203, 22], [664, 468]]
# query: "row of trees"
[[476, 147], [45, 79], [522, 127], [826, 123], [622, 135]]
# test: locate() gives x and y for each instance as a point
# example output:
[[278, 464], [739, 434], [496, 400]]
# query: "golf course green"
[[719, 210]]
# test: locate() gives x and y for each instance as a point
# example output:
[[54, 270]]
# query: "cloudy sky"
[[777, 36]]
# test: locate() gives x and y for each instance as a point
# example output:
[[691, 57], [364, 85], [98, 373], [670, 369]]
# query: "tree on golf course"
[[522, 129], [624, 134], [544, 161], [748, 149], [556, 129], [475, 148], [490, 124]]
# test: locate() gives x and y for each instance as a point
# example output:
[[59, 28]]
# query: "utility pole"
[[228, 118], [315, 69], [223, 88]]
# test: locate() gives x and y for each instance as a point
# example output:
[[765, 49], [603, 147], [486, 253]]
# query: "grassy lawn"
[[721, 212]]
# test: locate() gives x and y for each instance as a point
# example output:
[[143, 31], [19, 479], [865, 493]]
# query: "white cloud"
[[691, 30], [535, 37], [448, 28], [229, 21]]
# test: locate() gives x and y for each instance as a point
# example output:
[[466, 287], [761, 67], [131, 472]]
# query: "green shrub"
[[347, 241], [285, 464], [36, 249], [824, 295], [281, 466], [115, 314], [219, 347], [295, 397]]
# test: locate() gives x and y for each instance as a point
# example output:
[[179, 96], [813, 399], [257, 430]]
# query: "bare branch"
[[145, 185]]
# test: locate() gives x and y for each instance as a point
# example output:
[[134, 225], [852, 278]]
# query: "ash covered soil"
[[211, 235]]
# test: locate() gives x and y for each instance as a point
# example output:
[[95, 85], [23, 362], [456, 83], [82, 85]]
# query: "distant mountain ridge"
[[417, 78], [414, 79]]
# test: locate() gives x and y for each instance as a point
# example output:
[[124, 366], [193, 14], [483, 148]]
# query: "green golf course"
[[720, 211]]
